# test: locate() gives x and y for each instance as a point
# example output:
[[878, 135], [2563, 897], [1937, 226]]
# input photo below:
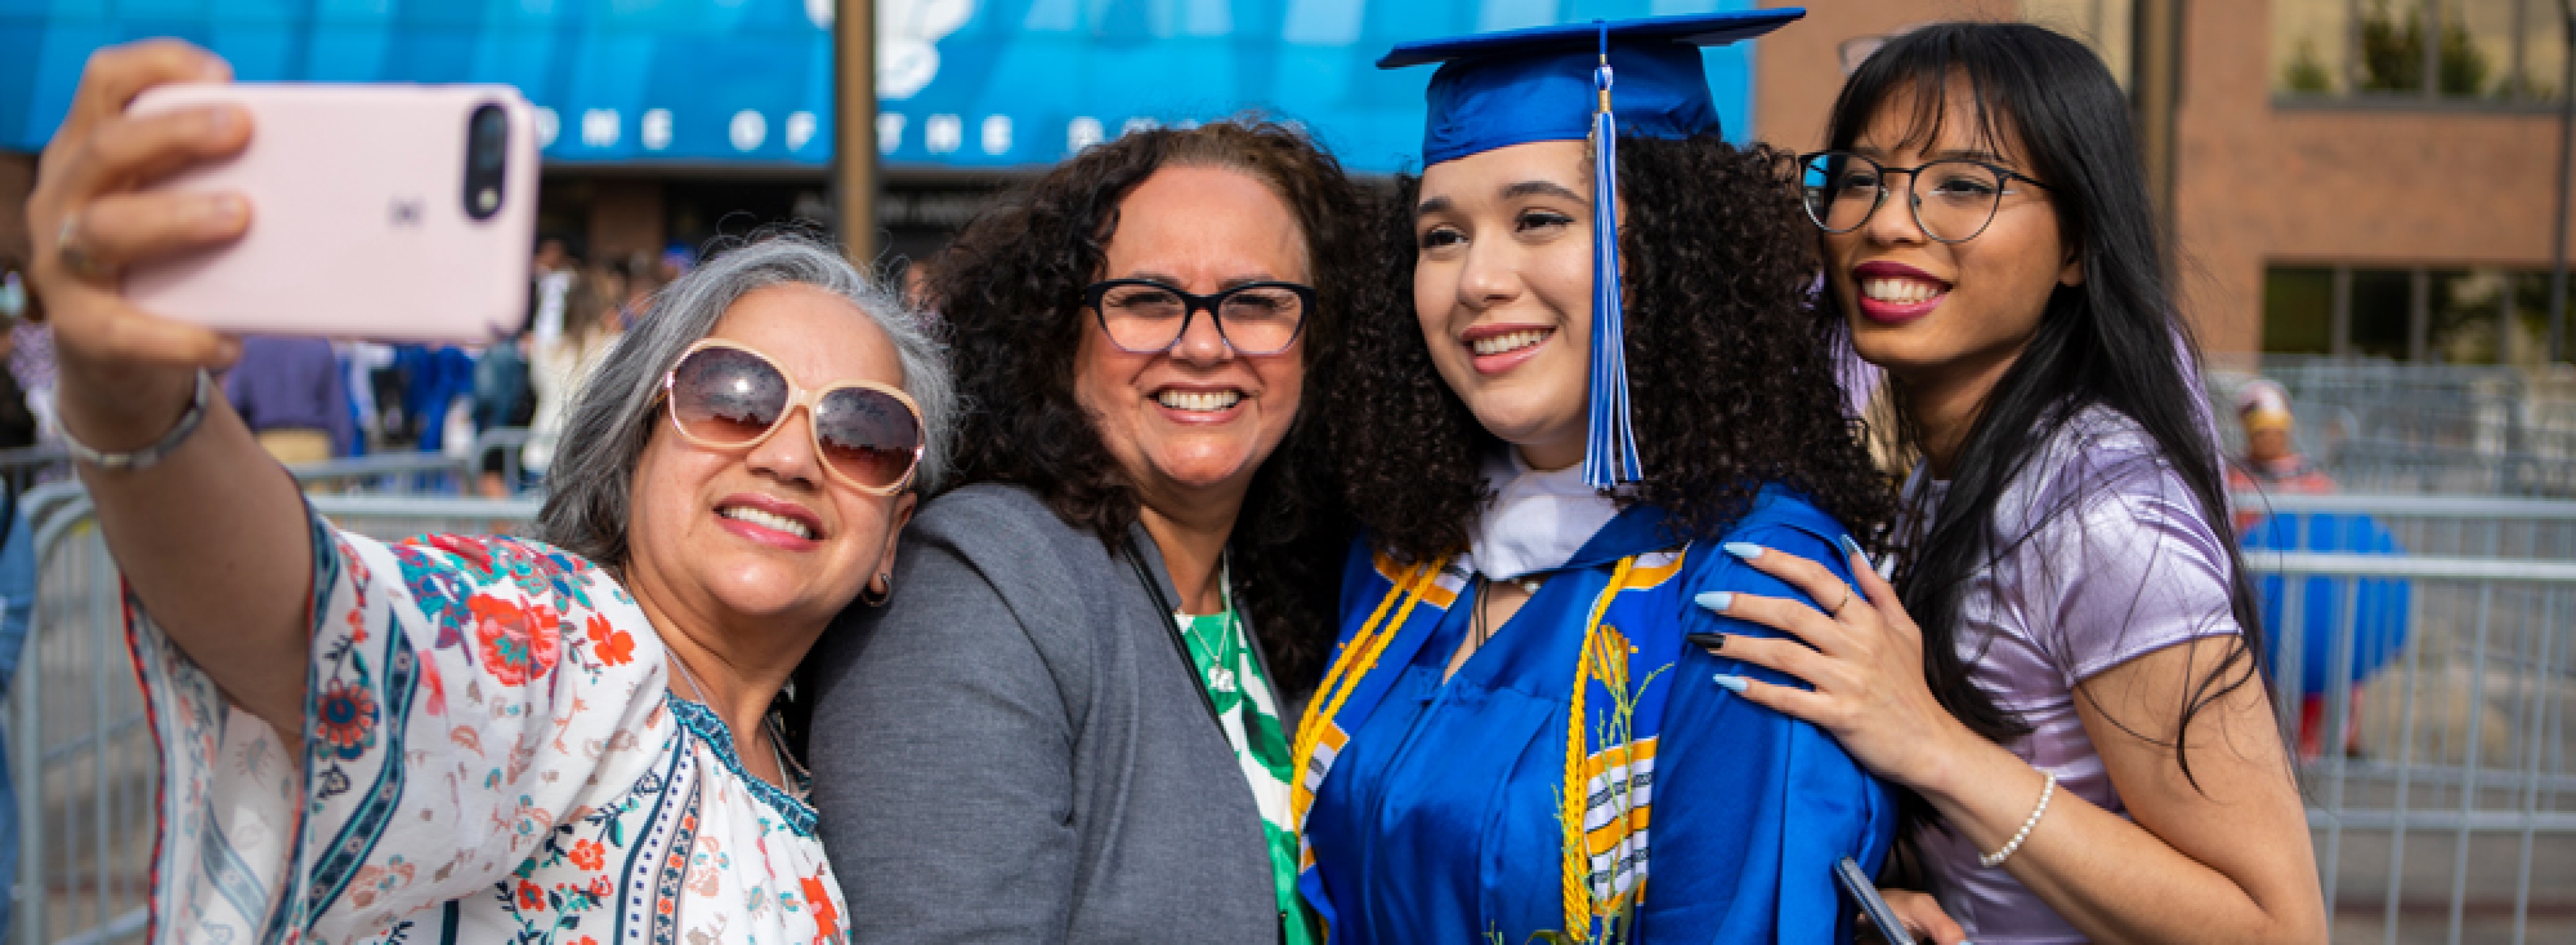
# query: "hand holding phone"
[[394, 212], [1873, 907]]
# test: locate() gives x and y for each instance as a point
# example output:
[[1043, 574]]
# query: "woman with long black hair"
[[2064, 675]]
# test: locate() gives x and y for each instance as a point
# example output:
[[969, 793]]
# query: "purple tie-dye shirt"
[[2118, 562]]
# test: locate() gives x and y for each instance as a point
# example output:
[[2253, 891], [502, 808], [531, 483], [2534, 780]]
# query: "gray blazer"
[[1014, 749]]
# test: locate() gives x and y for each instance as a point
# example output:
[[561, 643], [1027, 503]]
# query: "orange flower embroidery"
[[518, 643], [613, 646], [346, 719], [827, 919], [588, 854], [531, 897]]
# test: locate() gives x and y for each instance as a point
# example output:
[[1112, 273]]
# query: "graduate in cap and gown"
[[1609, 390]]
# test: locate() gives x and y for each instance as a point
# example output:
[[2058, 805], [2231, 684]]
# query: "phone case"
[[360, 224]]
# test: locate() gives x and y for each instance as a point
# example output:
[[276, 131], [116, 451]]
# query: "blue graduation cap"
[[1554, 83]]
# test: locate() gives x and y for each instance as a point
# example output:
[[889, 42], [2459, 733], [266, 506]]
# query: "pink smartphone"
[[390, 212]]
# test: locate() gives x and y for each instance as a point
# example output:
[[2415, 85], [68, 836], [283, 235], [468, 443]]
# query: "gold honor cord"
[[1578, 881], [1360, 656], [1357, 658]]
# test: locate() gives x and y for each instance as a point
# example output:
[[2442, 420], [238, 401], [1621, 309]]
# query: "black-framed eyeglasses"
[[1142, 316], [1952, 200]]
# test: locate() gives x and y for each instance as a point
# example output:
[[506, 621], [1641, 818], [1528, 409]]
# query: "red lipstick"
[[1888, 312]]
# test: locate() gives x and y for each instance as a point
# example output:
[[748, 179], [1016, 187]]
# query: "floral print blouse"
[[490, 753]]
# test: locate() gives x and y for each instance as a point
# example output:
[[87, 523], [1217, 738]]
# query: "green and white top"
[[1248, 709]]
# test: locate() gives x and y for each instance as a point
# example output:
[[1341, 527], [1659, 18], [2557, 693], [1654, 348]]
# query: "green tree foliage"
[[2304, 74], [2392, 54]]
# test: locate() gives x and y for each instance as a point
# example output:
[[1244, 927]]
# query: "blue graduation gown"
[[1436, 816]]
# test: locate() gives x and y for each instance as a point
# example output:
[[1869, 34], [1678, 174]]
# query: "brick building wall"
[[2258, 183], [2339, 183], [1798, 70]]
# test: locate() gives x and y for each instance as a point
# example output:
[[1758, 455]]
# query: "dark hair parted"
[[1730, 378], [1010, 289], [2113, 341]]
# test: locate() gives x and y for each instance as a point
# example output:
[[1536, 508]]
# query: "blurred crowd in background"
[[314, 400]]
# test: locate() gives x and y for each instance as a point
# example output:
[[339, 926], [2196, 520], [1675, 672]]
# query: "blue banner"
[[961, 83]]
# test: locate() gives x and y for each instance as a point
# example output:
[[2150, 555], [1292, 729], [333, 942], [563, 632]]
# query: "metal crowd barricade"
[[2455, 821], [2460, 526], [2385, 426], [2451, 816], [79, 747], [26, 467]]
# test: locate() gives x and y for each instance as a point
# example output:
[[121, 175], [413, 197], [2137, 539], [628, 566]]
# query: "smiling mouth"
[[773, 522], [1199, 401], [1901, 290], [1508, 343]]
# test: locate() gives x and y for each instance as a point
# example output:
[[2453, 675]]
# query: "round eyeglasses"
[[1952, 200], [1142, 316]]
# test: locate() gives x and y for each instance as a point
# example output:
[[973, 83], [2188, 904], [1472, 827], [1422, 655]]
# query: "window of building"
[[2298, 311], [2447, 316], [2104, 25], [2379, 303], [2438, 50]]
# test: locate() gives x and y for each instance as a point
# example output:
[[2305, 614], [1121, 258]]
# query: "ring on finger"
[[76, 259], [1837, 612]]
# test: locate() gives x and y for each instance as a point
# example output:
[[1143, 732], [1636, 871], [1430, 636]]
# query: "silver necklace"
[[1483, 624], [1223, 645], [694, 687]]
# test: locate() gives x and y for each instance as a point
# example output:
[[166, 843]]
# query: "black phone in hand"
[[1873, 907]]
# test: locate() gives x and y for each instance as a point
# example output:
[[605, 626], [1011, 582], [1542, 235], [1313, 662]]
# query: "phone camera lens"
[[491, 134], [487, 152]]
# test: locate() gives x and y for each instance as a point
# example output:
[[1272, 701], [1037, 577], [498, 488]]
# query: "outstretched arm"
[[213, 538]]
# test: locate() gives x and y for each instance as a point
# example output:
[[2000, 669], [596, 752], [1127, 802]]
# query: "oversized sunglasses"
[[728, 397]]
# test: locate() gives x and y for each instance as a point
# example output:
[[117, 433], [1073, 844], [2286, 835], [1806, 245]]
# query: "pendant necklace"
[[1223, 646]]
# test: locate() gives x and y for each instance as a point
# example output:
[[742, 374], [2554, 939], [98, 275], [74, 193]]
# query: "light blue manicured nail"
[[1852, 548], [1717, 601], [1733, 684], [1743, 549]]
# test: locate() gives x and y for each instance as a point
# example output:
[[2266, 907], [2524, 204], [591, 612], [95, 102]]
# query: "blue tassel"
[[1610, 451]]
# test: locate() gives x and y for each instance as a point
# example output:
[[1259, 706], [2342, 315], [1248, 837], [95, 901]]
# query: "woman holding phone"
[[482, 738], [2064, 672]]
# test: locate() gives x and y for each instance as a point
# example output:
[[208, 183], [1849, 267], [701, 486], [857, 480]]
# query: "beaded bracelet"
[[1997, 858]]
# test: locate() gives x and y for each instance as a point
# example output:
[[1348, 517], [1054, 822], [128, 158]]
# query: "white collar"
[[1538, 520]]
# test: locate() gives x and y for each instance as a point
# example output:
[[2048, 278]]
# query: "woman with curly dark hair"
[[1514, 698], [1067, 728]]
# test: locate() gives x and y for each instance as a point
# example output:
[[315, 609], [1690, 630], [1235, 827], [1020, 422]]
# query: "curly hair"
[[1734, 384], [1010, 289]]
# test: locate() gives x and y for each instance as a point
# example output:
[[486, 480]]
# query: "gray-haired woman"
[[477, 738]]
